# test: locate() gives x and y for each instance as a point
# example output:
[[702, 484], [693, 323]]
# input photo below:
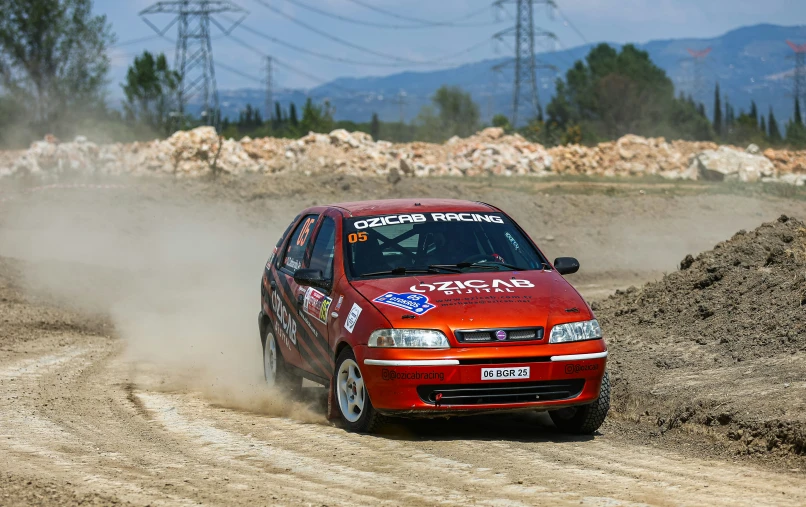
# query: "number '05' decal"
[[356, 237]]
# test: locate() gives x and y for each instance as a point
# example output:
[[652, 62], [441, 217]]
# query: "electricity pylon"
[[525, 62], [800, 68], [194, 50]]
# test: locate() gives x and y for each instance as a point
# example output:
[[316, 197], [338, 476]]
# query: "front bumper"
[[443, 382]]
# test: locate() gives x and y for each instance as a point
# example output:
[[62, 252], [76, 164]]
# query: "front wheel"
[[355, 408], [275, 370], [584, 419]]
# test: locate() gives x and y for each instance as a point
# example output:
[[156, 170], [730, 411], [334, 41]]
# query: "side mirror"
[[311, 278], [566, 265]]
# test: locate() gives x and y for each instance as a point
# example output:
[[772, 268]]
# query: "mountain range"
[[750, 63]]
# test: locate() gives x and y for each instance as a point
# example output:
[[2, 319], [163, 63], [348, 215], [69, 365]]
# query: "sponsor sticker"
[[512, 240], [414, 218], [338, 303], [316, 304], [387, 374], [352, 318], [570, 369], [284, 325], [415, 303], [497, 285]]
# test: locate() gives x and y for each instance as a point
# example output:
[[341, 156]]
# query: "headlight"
[[576, 331], [409, 338]]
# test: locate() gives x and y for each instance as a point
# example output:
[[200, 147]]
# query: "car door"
[[315, 311], [288, 298]]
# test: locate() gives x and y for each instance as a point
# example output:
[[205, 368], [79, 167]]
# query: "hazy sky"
[[597, 20]]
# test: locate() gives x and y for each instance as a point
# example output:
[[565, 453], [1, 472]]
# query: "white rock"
[[728, 164]]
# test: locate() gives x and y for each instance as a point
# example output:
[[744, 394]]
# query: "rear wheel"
[[275, 370], [584, 419], [354, 406]]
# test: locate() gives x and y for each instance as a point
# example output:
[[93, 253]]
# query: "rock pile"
[[489, 152]]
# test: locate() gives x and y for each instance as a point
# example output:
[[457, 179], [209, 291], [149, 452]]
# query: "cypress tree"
[[292, 115], [763, 126], [277, 121], [754, 111], [798, 117], [717, 112], [775, 133]]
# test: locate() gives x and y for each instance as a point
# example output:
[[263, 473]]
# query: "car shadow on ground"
[[522, 426], [531, 426]]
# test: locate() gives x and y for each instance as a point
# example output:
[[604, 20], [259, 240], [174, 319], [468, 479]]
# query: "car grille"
[[504, 392], [492, 335]]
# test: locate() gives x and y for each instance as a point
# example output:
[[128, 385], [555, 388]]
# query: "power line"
[[135, 41], [352, 20], [308, 51], [426, 21], [331, 58], [332, 37], [572, 25], [239, 73]]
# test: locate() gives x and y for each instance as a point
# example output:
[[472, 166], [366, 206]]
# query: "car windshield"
[[417, 243]]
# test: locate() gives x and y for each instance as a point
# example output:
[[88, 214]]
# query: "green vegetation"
[[54, 70]]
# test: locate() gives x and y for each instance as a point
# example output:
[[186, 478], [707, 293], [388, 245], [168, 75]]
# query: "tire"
[[276, 372], [352, 399], [584, 419]]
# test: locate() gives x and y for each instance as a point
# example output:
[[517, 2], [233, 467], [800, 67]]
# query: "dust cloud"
[[178, 278]]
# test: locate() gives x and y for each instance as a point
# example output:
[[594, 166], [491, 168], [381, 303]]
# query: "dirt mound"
[[720, 342]]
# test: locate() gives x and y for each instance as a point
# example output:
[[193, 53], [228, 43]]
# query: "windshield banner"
[[418, 218]]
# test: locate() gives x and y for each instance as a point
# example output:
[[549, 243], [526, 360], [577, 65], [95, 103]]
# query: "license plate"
[[504, 373]]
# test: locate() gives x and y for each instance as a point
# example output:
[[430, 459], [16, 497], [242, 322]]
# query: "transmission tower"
[[526, 64], [698, 59], [269, 106], [194, 50], [800, 68]]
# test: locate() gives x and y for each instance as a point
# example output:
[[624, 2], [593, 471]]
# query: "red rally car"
[[430, 307]]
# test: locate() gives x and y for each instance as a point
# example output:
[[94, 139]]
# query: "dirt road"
[[75, 416], [116, 388]]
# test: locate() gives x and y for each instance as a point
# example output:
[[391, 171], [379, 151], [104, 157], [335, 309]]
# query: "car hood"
[[479, 300]]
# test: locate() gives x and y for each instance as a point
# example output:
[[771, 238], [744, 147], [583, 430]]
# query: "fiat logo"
[[501, 334]]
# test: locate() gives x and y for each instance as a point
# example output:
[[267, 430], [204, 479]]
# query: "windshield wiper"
[[402, 270], [496, 265]]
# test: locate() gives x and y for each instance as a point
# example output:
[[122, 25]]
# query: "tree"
[[316, 118], [614, 93], [375, 127], [763, 126], [277, 121], [453, 113], [717, 112], [502, 121], [754, 112], [149, 89], [53, 58], [775, 133], [292, 116], [795, 130]]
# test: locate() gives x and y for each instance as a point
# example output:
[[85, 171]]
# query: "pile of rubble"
[[490, 152]]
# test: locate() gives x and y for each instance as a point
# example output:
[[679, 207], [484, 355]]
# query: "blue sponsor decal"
[[414, 303]]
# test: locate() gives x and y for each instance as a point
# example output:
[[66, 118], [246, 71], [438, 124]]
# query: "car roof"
[[391, 206]]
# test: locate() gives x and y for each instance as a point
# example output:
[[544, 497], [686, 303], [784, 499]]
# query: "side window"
[[324, 248], [298, 243]]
